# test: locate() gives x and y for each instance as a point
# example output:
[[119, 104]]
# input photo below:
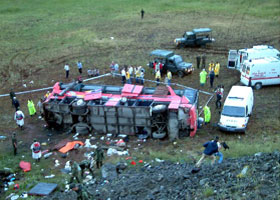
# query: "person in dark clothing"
[[81, 191], [142, 13], [212, 77], [219, 94], [16, 103], [198, 59], [14, 143], [203, 60], [99, 156], [12, 95], [211, 147]]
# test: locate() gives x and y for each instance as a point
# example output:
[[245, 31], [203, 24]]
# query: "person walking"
[[14, 143], [142, 13], [12, 95], [212, 77], [217, 69], [80, 67], [123, 73], [16, 103], [203, 77], [19, 117], [31, 107], [211, 147], [158, 76], [99, 156], [219, 94], [207, 114], [36, 150], [67, 69], [198, 59], [169, 77], [137, 75]]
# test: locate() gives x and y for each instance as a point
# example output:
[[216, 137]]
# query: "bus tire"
[[258, 86]]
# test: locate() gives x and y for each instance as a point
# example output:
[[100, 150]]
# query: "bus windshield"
[[233, 111]]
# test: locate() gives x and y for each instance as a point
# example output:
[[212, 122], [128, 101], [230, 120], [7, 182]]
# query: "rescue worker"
[[87, 164], [19, 117], [211, 66], [99, 156], [157, 76], [217, 69], [169, 77], [14, 143], [127, 77], [207, 114], [123, 73], [16, 103], [203, 77], [76, 172], [212, 77], [130, 70], [36, 150], [137, 75], [82, 192], [31, 107]]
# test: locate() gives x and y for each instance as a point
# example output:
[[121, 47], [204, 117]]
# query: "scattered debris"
[[2, 137], [25, 166], [42, 189], [69, 146], [159, 160], [50, 176], [47, 155], [56, 163]]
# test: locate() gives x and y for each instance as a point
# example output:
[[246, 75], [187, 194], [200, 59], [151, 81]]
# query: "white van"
[[259, 72], [236, 58], [237, 109]]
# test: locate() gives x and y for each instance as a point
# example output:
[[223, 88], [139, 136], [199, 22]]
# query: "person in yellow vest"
[[203, 77], [31, 107], [158, 76], [127, 77], [169, 77], [47, 95], [211, 66], [217, 69], [137, 75], [207, 114]]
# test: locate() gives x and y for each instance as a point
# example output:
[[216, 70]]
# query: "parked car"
[[172, 62], [196, 37], [237, 109]]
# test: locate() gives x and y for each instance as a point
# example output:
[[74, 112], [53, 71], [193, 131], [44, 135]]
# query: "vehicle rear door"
[[232, 59], [171, 65]]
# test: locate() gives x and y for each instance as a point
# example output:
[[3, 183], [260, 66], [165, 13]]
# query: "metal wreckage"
[[130, 109]]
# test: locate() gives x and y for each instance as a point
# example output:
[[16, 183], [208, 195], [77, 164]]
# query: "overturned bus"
[[130, 109]]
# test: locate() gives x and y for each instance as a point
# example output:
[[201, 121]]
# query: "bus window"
[[243, 68]]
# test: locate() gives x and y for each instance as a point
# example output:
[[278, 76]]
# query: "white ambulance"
[[237, 57], [237, 109], [260, 72]]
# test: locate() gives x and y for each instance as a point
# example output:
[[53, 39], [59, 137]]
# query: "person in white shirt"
[[123, 75], [66, 68], [19, 117], [36, 150]]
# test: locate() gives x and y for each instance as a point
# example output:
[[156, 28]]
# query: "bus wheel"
[[258, 86]]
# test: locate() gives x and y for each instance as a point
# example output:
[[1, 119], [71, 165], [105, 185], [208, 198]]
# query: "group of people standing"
[[129, 74], [213, 71], [67, 69]]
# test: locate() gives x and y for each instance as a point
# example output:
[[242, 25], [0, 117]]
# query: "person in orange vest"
[[217, 69]]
